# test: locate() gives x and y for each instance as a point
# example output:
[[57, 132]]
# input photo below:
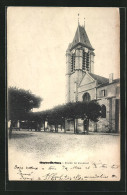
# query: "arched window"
[[86, 97], [103, 111]]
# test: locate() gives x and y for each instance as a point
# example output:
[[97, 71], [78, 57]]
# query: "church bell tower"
[[79, 60]]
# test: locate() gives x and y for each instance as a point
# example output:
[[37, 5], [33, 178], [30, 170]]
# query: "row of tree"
[[57, 116], [73, 110], [21, 102]]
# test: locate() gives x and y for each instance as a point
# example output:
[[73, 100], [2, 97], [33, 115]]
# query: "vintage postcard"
[[63, 77]]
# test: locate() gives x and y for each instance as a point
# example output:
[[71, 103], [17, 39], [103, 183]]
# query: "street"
[[31, 148]]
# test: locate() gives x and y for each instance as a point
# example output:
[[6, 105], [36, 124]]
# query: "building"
[[83, 85]]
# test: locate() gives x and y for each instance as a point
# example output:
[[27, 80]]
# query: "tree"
[[74, 110], [20, 102]]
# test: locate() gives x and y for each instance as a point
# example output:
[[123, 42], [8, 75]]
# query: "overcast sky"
[[37, 39]]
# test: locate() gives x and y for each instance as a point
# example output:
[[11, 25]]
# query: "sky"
[[37, 39]]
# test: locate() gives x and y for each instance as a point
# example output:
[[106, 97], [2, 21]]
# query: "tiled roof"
[[99, 79], [81, 37]]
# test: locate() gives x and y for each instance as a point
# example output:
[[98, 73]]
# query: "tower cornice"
[[82, 44]]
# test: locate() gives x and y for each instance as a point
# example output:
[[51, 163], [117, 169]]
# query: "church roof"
[[81, 37], [99, 79], [114, 81]]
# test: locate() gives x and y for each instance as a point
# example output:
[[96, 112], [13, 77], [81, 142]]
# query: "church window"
[[103, 111], [86, 97], [72, 62]]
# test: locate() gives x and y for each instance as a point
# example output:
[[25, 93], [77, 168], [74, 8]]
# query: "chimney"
[[111, 78]]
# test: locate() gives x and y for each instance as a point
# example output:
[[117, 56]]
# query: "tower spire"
[[78, 19]]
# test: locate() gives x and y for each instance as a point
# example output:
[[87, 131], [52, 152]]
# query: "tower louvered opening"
[[72, 62], [85, 61]]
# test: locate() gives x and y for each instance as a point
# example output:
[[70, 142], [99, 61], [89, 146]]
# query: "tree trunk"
[[44, 125], [64, 127], [95, 127], [74, 127], [88, 127], [56, 128]]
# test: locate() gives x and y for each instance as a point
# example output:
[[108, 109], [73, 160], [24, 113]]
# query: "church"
[[83, 85]]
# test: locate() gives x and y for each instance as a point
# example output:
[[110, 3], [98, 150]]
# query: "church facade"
[[83, 85]]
